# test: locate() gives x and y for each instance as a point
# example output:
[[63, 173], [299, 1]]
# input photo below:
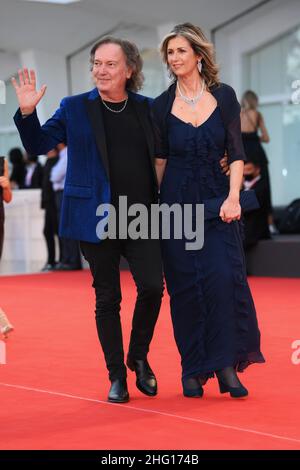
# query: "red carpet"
[[54, 385]]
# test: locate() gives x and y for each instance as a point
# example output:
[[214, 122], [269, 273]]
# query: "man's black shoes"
[[145, 378], [145, 382], [118, 392]]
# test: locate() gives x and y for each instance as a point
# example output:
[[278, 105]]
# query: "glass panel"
[[8, 109], [273, 69], [254, 75], [291, 48], [8, 141], [154, 83], [9, 136], [274, 149], [270, 70], [291, 149]]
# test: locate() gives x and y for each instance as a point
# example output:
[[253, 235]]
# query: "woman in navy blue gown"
[[213, 313]]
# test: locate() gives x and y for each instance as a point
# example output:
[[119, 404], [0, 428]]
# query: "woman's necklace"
[[191, 101]]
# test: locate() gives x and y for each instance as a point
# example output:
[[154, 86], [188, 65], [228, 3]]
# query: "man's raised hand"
[[27, 95]]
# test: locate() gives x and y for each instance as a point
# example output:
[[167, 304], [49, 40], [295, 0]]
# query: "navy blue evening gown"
[[212, 309]]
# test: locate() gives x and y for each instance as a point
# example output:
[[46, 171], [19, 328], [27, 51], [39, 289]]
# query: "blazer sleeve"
[[159, 130], [234, 142], [39, 139]]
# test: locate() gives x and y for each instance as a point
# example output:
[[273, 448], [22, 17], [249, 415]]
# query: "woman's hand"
[[224, 165], [4, 182], [231, 209]]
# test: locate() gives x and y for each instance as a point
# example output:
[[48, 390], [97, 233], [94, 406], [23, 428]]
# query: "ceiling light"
[[57, 2]]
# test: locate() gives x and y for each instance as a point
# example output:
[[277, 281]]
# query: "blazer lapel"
[[95, 116], [142, 110]]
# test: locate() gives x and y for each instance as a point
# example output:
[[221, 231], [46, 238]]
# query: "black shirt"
[[128, 155]]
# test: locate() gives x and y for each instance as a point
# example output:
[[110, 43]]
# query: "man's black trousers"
[[144, 259]]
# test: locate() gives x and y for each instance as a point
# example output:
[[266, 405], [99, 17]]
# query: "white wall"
[[24, 245], [251, 33]]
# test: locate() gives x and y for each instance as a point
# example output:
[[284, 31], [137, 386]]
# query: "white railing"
[[24, 243]]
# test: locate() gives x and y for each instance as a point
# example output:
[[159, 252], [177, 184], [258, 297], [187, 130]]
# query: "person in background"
[[5, 195], [48, 203], [70, 258], [34, 172], [18, 172], [254, 133], [256, 224]]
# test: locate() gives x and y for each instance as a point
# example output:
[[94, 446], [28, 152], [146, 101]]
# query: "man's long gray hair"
[[133, 59]]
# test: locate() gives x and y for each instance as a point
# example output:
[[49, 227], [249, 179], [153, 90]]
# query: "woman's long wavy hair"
[[133, 59], [200, 45]]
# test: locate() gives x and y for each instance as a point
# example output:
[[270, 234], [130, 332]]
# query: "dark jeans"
[[50, 230], [144, 259]]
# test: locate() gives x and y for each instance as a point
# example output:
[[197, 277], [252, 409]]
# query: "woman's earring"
[[199, 65]]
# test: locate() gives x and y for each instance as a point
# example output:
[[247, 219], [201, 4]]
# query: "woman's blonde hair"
[[249, 100], [200, 45]]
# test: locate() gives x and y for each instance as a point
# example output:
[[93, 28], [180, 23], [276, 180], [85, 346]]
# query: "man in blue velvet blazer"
[[111, 147]]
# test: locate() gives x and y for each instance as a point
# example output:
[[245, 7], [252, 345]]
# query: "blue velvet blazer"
[[79, 124]]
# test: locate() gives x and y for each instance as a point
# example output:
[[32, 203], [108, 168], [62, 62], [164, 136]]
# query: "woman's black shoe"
[[230, 383], [192, 388], [118, 392]]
